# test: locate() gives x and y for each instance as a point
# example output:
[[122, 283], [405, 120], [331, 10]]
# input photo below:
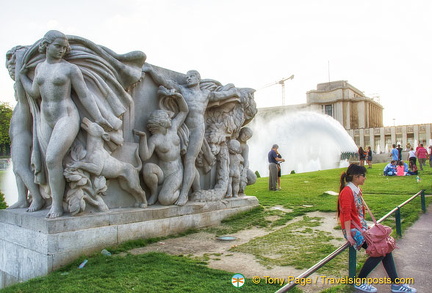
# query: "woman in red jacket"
[[351, 209]]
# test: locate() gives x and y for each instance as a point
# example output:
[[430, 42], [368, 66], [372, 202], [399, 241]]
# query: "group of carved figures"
[[74, 109]]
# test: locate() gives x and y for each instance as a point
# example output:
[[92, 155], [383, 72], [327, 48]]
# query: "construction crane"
[[282, 83]]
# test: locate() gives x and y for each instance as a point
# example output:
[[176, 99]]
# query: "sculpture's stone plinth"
[[32, 246]]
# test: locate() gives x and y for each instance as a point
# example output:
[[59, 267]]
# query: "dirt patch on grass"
[[217, 254]]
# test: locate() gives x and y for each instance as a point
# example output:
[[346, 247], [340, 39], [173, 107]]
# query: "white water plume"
[[308, 141]]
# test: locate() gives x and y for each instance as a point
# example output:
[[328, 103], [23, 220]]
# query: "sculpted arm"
[[32, 88], [223, 95], [86, 98], [146, 148], [159, 79], [183, 112], [245, 155]]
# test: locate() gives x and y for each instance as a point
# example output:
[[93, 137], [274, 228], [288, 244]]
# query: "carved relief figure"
[[61, 87], [63, 82], [197, 100], [224, 120], [100, 163], [247, 177], [235, 166], [21, 136], [165, 142], [53, 82]]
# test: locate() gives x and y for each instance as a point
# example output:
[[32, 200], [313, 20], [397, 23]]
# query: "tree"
[[5, 117], [2, 201]]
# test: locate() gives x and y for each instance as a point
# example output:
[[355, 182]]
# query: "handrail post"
[[398, 222], [352, 262], [423, 201]]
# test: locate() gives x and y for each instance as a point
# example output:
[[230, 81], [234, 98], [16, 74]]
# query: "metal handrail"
[[399, 206], [339, 250]]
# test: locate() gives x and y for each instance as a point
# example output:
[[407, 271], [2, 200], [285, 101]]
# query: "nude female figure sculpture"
[[53, 82], [165, 142]]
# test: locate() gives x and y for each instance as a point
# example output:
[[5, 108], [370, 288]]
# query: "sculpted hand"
[[139, 133]]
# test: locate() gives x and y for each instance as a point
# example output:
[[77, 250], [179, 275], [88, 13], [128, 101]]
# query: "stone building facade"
[[361, 116], [346, 104], [382, 138]]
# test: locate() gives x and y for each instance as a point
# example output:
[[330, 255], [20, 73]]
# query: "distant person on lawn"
[[273, 160]]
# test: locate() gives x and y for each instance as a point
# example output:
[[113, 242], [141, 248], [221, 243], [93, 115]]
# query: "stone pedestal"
[[32, 246]]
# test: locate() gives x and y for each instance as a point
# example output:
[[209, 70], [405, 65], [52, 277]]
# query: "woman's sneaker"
[[402, 289], [365, 287]]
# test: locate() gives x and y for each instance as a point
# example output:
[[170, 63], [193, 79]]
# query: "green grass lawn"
[[301, 193]]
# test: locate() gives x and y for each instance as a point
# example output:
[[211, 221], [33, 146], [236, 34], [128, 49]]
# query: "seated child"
[[390, 169], [400, 169], [412, 169]]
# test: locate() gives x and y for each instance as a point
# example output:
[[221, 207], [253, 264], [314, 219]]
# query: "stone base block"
[[32, 245]]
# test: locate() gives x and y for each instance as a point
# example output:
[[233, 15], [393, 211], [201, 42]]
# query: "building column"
[[393, 134], [382, 140], [428, 135], [404, 136], [361, 135]]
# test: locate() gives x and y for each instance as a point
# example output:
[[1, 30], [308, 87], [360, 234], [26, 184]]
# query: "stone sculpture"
[[20, 133], [248, 177], [197, 100], [165, 142], [181, 127], [235, 166]]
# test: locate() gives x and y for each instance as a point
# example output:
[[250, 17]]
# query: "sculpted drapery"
[[82, 100]]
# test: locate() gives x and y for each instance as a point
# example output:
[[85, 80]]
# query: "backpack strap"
[[365, 204], [367, 208]]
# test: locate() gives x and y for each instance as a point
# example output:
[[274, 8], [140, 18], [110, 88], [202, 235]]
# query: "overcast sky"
[[381, 47]]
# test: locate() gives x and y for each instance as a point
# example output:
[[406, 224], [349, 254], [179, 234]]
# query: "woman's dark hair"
[[347, 176]]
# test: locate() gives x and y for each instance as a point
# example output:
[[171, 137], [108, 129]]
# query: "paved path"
[[414, 256]]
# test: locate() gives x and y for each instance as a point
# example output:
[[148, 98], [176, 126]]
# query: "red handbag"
[[378, 239]]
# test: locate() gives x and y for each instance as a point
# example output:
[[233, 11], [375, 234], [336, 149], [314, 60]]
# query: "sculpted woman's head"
[[159, 119], [49, 38]]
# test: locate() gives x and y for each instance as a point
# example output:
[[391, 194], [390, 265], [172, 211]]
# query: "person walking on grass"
[[422, 155], [351, 209]]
